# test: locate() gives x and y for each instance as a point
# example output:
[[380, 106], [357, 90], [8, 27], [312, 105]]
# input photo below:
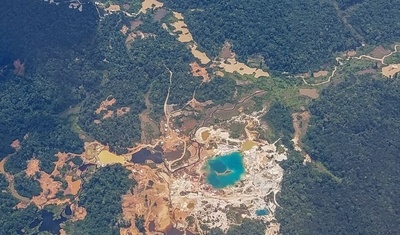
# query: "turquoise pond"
[[225, 170], [262, 212]]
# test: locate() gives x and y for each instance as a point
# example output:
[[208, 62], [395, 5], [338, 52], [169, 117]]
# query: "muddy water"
[[107, 157], [248, 145], [205, 135], [144, 154], [48, 223]]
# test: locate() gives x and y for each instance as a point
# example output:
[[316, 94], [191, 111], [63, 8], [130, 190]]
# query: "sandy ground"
[[391, 70], [231, 65], [113, 8], [204, 59], [150, 4]]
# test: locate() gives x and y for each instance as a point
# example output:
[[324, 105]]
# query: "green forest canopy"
[[354, 132], [64, 53], [292, 36]]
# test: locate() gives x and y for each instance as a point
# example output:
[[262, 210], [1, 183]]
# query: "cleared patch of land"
[[199, 71], [231, 65], [32, 167], [312, 93], [150, 4], [113, 8], [73, 185], [391, 70], [380, 52], [300, 124], [321, 73]]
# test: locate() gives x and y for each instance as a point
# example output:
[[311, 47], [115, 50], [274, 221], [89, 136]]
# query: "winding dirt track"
[[166, 99], [339, 60], [10, 180]]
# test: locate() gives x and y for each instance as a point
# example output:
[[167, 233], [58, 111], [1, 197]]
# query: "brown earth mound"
[[199, 71], [33, 167]]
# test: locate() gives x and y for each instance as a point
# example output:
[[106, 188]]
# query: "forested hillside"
[[291, 36], [102, 199], [57, 66], [354, 133]]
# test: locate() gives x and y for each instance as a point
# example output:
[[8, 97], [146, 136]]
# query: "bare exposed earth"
[[73, 185], [231, 65], [312, 93], [300, 124], [391, 70], [202, 56], [78, 213], [321, 73], [33, 167], [113, 8], [150, 4], [166, 195], [105, 104], [184, 36], [104, 107], [50, 187], [380, 52], [199, 71], [16, 144], [182, 30]]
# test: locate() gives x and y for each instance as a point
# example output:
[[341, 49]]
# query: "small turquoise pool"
[[225, 170], [262, 212]]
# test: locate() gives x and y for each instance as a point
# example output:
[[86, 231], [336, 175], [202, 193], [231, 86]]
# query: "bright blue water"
[[225, 170], [262, 212]]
